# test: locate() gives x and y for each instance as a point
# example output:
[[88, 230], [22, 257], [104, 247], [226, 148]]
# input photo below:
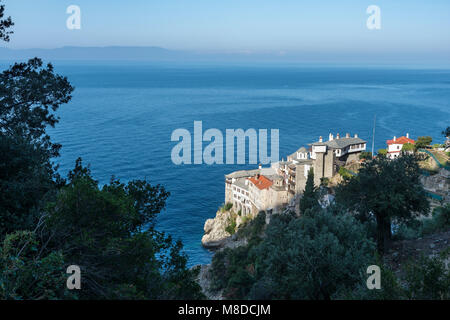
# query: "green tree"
[[424, 278], [47, 223], [382, 152], [27, 179], [385, 190], [408, 147], [28, 274], [423, 142], [5, 24], [312, 257], [446, 132], [310, 198], [344, 173], [428, 278], [29, 95], [366, 155], [109, 232]]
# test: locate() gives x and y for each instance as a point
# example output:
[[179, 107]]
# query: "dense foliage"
[[310, 198], [30, 93], [312, 257], [5, 24], [108, 232], [446, 132], [408, 147], [48, 223], [423, 142], [324, 253], [385, 191], [438, 222], [320, 256], [29, 96], [365, 155]]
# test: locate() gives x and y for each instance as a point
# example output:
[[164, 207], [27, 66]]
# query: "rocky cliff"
[[438, 184], [219, 231], [215, 234]]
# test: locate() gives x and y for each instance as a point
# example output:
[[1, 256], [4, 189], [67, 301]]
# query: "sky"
[[238, 26]]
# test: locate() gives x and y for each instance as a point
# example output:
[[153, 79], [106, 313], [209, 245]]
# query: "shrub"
[[226, 207], [366, 155], [408, 147], [423, 142], [428, 278], [312, 257], [231, 228], [438, 222], [252, 228], [324, 182], [344, 173]]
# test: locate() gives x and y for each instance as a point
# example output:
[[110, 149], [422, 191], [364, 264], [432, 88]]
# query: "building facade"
[[282, 184], [395, 146]]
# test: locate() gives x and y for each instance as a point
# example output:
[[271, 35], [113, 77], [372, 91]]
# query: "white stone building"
[[251, 191], [395, 146]]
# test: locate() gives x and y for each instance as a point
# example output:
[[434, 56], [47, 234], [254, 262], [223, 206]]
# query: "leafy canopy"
[[312, 257], [385, 190], [310, 198], [5, 24]]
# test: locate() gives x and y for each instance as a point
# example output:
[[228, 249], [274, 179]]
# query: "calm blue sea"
[[122, 115]]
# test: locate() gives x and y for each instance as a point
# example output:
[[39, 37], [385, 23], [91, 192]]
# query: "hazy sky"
[[237, 25]]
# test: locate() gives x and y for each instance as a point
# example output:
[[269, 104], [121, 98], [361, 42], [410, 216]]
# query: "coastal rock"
[[215, 235], [209, 225], [239, 221], [438, 184], [204, 281]]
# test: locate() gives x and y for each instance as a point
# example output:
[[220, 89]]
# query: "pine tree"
[[310, 196]]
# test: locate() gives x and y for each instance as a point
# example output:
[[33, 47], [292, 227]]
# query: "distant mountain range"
[[117, 53], [94, 53], [138, 53]]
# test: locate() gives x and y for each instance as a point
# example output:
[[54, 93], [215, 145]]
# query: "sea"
[[122, 115]]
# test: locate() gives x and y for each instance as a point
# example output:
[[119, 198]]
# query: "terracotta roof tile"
[[261, 182], [401, 140]]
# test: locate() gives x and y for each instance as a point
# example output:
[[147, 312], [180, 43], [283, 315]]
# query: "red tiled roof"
[[261, 182], [401, 140]]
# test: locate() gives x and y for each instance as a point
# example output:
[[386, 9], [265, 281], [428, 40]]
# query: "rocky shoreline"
[[215, 234], [217, 230]]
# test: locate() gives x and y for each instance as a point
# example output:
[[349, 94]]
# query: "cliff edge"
[[215, 230]]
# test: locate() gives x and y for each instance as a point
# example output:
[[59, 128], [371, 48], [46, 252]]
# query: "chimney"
[[407, 135], [347, 135], [331, 137], [320, 139], [395, 138], [337, 136], [356, 135], [260, 166]]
